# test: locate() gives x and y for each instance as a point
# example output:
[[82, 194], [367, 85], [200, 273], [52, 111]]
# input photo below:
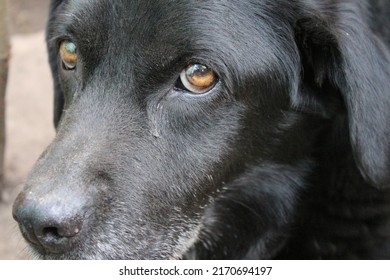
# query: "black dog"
[[215, 129]]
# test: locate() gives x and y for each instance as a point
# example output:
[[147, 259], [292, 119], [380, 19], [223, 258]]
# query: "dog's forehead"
[[146, 16], [160, 34], [156, 22]]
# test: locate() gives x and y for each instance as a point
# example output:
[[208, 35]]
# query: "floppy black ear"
[[58, 95], [344, 54]]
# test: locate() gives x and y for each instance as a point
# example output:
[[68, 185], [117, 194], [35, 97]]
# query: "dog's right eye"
[[68, 53], [197, 78]]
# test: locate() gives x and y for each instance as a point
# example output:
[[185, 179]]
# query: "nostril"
[[52, 241], [59, 238], [51, 227], [50, 233], [57, 233]]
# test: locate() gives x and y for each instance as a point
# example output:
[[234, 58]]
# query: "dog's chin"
[[38, 254], [183, 249]]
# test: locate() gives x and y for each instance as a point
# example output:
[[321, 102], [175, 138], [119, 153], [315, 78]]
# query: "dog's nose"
[[46, 224]]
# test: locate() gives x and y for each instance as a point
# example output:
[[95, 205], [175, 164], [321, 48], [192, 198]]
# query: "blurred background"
[[28, 106]]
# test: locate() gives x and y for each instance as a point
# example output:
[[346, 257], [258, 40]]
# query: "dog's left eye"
[[68, 53], [197, 78]]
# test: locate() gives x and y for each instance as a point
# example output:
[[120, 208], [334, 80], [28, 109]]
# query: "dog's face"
[[169, 111]]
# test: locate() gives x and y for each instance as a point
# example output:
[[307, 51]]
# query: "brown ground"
[[29, 111]]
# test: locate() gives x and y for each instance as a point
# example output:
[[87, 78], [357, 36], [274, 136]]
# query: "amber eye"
[[68, 53], [198, 78]]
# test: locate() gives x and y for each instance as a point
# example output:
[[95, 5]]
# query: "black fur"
[[288, 156]]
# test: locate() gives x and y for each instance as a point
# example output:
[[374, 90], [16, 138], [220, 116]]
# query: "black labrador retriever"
[[215, 130]]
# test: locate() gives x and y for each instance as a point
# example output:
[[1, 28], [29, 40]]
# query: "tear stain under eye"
[[155, 129]]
